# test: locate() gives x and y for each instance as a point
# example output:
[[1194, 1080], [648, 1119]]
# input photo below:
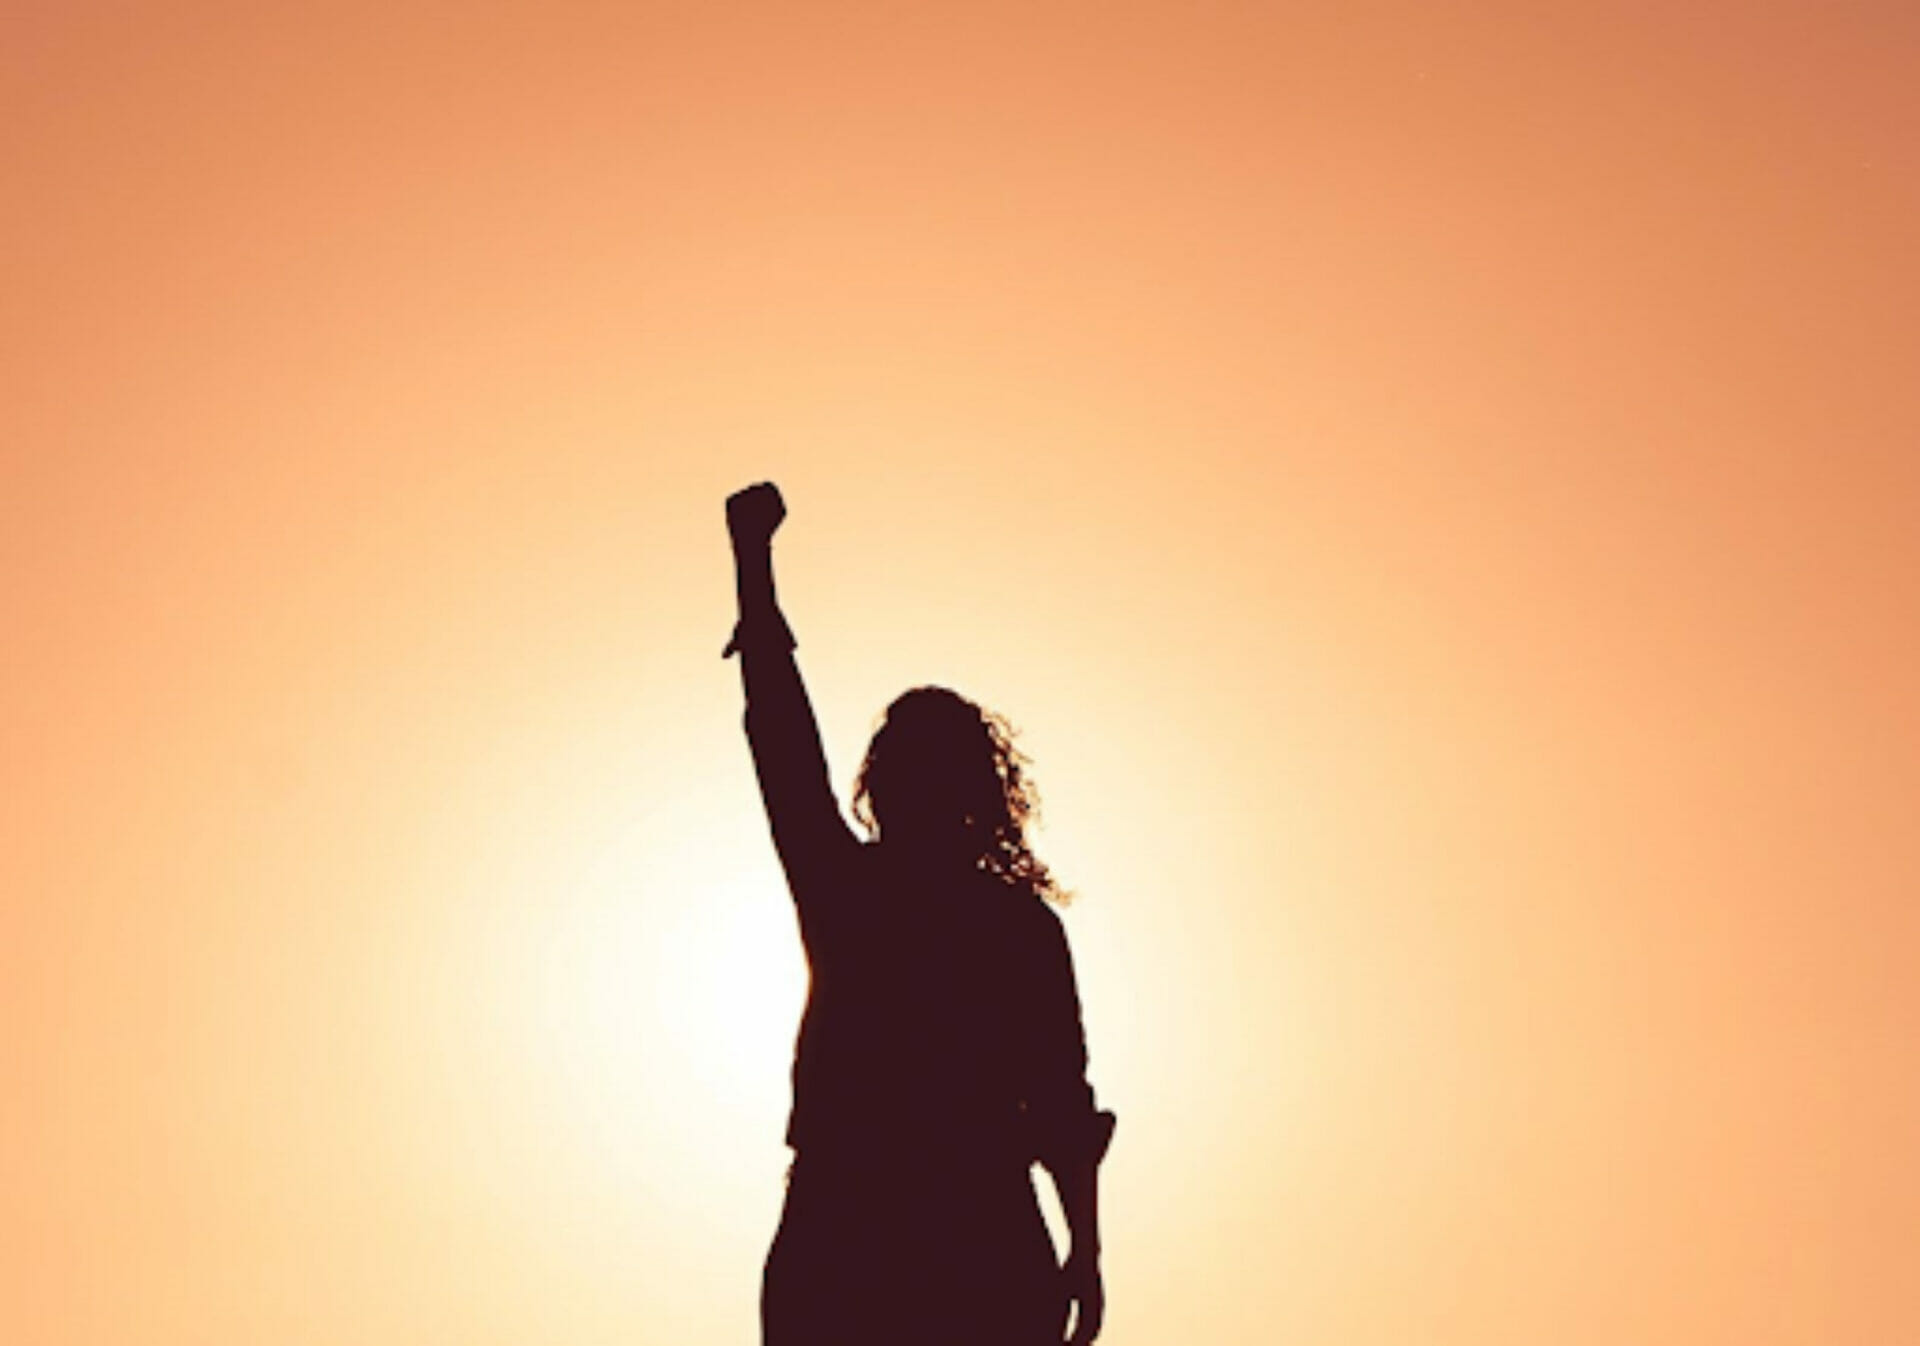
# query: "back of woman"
[[927, 1015], [911, 1215]]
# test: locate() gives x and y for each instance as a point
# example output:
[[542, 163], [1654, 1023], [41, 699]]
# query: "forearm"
[[1079, 1186], [780, 720], [777, 706], [781, 729]]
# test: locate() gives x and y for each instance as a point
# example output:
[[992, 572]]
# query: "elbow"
[[1066, 1143]]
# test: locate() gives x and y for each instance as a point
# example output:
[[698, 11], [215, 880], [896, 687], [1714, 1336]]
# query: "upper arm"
[[1060, 1097], [1059, 1036]]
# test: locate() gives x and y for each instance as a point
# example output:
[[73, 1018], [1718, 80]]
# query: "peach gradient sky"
[[1436, 484]]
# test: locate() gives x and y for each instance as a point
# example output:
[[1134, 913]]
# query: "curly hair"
[[944, 763]]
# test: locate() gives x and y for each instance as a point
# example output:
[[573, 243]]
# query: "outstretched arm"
[[813, 840]]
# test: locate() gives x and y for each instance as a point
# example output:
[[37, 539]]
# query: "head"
[[943, 779]]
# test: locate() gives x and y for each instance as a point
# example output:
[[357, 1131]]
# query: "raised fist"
[[754, 513]]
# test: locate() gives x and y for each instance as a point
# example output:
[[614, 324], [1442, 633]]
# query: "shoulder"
[[1043, 916], [1031, 919]]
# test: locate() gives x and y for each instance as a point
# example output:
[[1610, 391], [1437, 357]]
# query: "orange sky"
[[1436, 485]]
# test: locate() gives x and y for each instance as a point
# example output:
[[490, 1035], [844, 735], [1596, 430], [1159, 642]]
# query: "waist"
[[906, 1142]]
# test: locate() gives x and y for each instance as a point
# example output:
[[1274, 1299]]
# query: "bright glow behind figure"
[[1434, 488]]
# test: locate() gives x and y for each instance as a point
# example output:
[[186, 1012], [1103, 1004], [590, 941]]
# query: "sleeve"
[[814, 842], [1067, 1125]]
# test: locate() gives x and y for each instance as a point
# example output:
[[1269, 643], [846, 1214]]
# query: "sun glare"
[[670, 1018], [1436, 482], [728, 982]]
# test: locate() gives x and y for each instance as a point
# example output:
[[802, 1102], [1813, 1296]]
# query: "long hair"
[[942, 766]]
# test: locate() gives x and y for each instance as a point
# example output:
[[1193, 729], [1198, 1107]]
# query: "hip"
[[908, 1252]]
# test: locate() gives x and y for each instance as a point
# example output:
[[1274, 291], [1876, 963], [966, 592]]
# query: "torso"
[[910, 1041]]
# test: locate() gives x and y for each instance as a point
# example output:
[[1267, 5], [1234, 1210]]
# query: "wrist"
[[753, 565]]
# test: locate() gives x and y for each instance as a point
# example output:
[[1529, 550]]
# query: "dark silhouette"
[[941, 1053]]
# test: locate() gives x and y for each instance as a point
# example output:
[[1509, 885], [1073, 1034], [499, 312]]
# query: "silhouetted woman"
[[941, 1052]]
